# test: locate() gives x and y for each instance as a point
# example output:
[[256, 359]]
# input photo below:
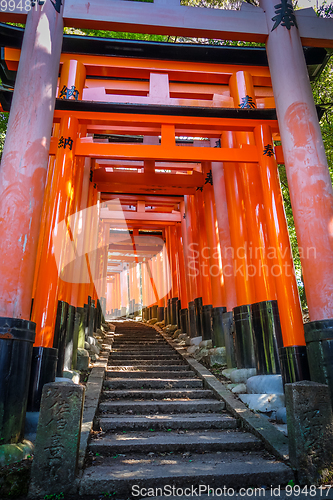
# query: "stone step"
[[231, 469], [151, 334], [150, 362], [140, 340], [161, 442], [143, 349], [150, 374], [126, 366], [151, 383], [144, 356], [142, 407], [158, 394], [165, 422]]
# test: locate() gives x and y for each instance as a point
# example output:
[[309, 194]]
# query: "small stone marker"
[[54, 465], [310, 430]]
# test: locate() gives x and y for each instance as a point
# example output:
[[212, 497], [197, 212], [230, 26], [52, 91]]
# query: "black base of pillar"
[[228, 332], [245, 356], [160, 313], [154, 311], [198, 313], [91, 320], [319, 346], [184, 321], [79, 332], [207, 322], [217, 325], [169, 312], [178, 309], [59, 340], [294, 364], [43, 371], [16, 342], [192, 320], [174, 301], [267, 336], [69, 344]]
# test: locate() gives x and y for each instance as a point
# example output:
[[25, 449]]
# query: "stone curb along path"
[[92, 396], [275, 441]]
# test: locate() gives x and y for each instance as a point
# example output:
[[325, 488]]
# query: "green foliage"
[[3, 129], [115, 34]]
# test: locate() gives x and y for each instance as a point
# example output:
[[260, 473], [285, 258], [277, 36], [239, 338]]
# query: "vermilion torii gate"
[[224, 183]]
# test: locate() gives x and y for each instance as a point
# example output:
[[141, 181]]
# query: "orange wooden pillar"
[[124, 291], [306, 164], [118, 288], [25, 159], [43, 219], [86, 278], [79, 285], [181, 268], [75, 212], [144, 285], [203, 248], [215, 269], [160, 280], [241, 89], [282, 267], [189, 283], [173, 260], [45, 303], [169, 267], [238, 232], [108, 296], [193, 253], [222, 216]]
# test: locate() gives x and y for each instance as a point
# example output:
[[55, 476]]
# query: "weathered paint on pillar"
[[203, 249], [306, 164], [43, 219], [192, 263], [215, 271], [181, 267], [238, 230], [26, 155], [46, 297], [242, 91], [189, 291], [224, 233], [282, 260], [87, 200], [173, 259]]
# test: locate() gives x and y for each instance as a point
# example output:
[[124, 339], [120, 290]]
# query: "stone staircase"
[[158, 427]]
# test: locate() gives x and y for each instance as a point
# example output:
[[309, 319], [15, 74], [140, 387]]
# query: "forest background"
[[322, 91]]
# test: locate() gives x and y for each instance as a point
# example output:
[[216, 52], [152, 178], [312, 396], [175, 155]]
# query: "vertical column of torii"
[[305, 160]]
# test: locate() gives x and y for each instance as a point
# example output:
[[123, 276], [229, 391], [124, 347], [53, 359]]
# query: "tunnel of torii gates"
[[140, 175]]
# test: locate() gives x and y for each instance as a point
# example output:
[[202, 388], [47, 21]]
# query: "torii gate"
[[28, 143]]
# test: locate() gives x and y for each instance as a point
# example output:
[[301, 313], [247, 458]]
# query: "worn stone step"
[[148, 362], [142, 407], [140, 340], [231, 469], [152, 334], [147, 383], [165, 422], [158, 394], [192, 441], [126, 366], [144, 356], [143, 349], [150, 374]]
